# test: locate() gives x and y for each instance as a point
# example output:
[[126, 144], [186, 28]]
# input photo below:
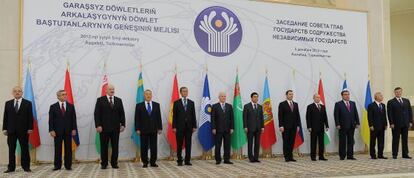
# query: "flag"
[[139, 98], [238, 138], [205, 135], [34, 137], [345, 85], [268, 137], [365, 131], [326, 137], [170, 134], [68, 89], [103, 93], [299, 133]]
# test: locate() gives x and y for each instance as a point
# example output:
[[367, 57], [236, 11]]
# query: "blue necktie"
[[149, 108]]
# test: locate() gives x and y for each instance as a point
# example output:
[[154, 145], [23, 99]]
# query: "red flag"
[[170, 134], [68, 89], [320, 92]]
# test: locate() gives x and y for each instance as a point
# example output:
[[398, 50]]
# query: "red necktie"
[[110, 102], [63, 109], [348, 106], [291, 105]]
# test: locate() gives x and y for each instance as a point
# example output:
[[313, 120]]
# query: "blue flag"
[[139, 99], [205, 136]]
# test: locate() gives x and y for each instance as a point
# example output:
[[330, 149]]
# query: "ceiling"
[[401, 6]]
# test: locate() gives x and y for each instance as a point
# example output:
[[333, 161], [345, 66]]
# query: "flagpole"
[[172, 152], [32, 151], [138, 149], [266, 153], [207, 155]]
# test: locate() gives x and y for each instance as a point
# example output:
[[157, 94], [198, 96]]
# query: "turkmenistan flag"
[[238, 138]]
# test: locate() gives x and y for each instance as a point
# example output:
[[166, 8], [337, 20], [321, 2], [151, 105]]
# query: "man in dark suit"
[[317, 123], [62, 126], [377, 120], [148, 124], [17, 125], [109, 122], [346, 121], [289, 121], [253, 124], [222, 127], [184, 124], [400, 116]]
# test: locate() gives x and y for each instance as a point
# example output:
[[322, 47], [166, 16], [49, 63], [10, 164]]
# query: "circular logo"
[[218, 31]]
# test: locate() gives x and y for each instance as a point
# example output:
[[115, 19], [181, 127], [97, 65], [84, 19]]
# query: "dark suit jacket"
[[253, 120], [181, 117], [62, 124], [287, 118], [344, 118], [19, 122], [110, 119], [316, 119], [148, 123], [221, 120], [377, 118], [400, 116]]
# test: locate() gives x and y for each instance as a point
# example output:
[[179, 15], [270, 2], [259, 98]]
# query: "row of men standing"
[[110, 121]]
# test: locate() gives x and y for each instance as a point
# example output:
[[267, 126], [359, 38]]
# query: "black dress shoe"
[[56, 168], [394, 157], [228, 162], [115, 166], [27, 170], [372, 157], [323, 159], [287, 160], [293, 160], [154, 165], [188, 164], [8, 171], [103, 167], [313, 159], [145, 165], [68, 169], [252, 161], [218, 162], [256, 161], [179, 164], [351, 158], [407, 157], [382, 157], [342, 158]]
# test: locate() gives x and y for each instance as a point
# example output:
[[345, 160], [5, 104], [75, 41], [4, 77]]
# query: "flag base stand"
[[296, 151], [238, 154], [207, 155], [74, 160], [33, 156], [171, 157], [137, 156], [267, 153]]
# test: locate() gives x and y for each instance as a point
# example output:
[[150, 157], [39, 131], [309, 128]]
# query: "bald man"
[[222, 125], [17, 125], [377, 120], [109, 122], [317, 123]]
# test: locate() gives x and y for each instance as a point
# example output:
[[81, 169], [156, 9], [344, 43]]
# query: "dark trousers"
[[219, 139], [107, 137], [396, 132], [67, 141], [181, 137], [317, 137], [346, 143], [149, 139], [288, 142], [253, 144], [24, 146]]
